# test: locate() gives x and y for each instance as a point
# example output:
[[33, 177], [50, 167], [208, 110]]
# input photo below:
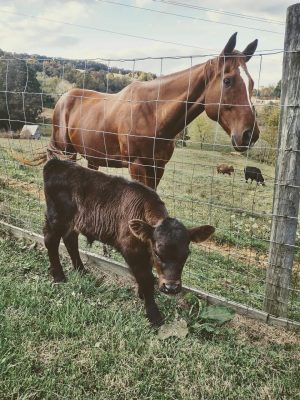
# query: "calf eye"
[[227, 82], [156, 254]]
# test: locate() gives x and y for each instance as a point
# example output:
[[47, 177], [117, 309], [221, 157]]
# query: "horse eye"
[[227, 82]]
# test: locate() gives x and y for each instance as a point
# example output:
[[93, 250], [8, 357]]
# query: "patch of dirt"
[[29, 187], [250, 330], [243, 254]]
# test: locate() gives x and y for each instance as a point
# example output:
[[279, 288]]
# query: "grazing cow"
[[225, 169], [254, 174], [126, 215]]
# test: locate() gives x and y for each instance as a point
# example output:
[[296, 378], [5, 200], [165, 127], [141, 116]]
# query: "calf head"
[[169, 241]]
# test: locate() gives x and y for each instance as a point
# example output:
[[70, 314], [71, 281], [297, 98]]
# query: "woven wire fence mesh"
[[233, 263]]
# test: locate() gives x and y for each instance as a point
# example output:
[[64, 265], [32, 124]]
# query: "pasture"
[[233, 264], [89, 339]]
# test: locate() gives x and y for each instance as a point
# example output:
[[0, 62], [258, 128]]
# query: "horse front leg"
[[138, 171], [154, 175]]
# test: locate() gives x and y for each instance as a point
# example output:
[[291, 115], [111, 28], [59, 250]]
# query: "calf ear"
[[201, 233], [141, 230]]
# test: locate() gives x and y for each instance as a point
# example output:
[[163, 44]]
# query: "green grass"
[[89, 339]]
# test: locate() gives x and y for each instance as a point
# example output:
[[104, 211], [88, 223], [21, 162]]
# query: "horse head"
[[228, 94]]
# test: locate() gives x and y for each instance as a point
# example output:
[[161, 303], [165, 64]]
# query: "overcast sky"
[[107, 30]]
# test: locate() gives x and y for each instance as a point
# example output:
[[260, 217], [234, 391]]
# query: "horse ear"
[[141, 230], [250, 49], [228, 49]]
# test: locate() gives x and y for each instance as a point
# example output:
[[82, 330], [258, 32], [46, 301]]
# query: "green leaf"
[[176, 328], [191, 298], [208, 327], [218, 314]]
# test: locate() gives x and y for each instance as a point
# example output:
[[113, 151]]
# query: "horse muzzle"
[[243, 142]]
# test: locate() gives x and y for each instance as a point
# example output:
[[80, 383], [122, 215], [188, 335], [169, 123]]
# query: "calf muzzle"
[[170, 288]]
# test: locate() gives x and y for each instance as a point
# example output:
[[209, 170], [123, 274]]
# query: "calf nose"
[[171, 287]]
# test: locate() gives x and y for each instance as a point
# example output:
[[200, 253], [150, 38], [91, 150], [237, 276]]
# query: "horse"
[[136, 127]]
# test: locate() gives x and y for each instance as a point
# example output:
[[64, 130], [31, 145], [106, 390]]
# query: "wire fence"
[[234, 263]]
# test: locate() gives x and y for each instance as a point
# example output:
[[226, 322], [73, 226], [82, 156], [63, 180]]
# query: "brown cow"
[[126, 215], [225, 169]]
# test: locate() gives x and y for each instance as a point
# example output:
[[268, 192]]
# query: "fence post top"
[[293, 5]]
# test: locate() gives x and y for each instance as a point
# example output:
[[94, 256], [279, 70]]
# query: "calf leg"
[[145, 280], [52, 239], [142, 271], [71, 243]]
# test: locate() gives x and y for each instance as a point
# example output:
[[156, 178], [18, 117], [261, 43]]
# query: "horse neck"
[[184, 95]]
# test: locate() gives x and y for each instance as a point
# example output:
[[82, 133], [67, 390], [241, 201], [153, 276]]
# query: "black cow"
[[126, 215], [254, 174]]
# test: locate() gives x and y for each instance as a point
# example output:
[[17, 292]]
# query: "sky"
[[135, 29]]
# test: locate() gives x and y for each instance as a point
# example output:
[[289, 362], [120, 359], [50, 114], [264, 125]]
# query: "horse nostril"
[[247, 137]]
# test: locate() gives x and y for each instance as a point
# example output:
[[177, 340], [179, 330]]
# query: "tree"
[[277, 90], [52, 87], [182, 137], [20, 99]]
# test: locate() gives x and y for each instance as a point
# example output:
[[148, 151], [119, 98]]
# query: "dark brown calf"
[[225, 169], [126, 215]]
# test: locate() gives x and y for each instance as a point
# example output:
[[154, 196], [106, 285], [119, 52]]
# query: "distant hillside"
[[29, 82]]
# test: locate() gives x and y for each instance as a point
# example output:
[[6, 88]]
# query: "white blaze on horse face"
[[245, 78]]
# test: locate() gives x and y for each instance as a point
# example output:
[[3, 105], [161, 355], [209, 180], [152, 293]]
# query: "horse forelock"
[[224, 64]]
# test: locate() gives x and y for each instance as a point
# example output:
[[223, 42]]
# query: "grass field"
[[233, 264], [88, 339]]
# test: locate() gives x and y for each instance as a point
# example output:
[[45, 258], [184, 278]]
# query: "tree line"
[[30, 82]]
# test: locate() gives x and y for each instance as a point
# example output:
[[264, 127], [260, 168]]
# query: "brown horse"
[[136, 127]]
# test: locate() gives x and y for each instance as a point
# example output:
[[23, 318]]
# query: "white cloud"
[[143, 3], [212, 16], [39, 35], [22, 33]]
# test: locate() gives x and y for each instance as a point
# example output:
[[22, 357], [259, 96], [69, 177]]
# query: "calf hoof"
[[83, 271], [59, 279], [156, 321]]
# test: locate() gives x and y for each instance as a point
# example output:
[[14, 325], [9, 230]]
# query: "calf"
[[225, 169], [126, 215], [254, 174]]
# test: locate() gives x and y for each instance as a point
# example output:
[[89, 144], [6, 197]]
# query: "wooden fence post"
[[287, 184]]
